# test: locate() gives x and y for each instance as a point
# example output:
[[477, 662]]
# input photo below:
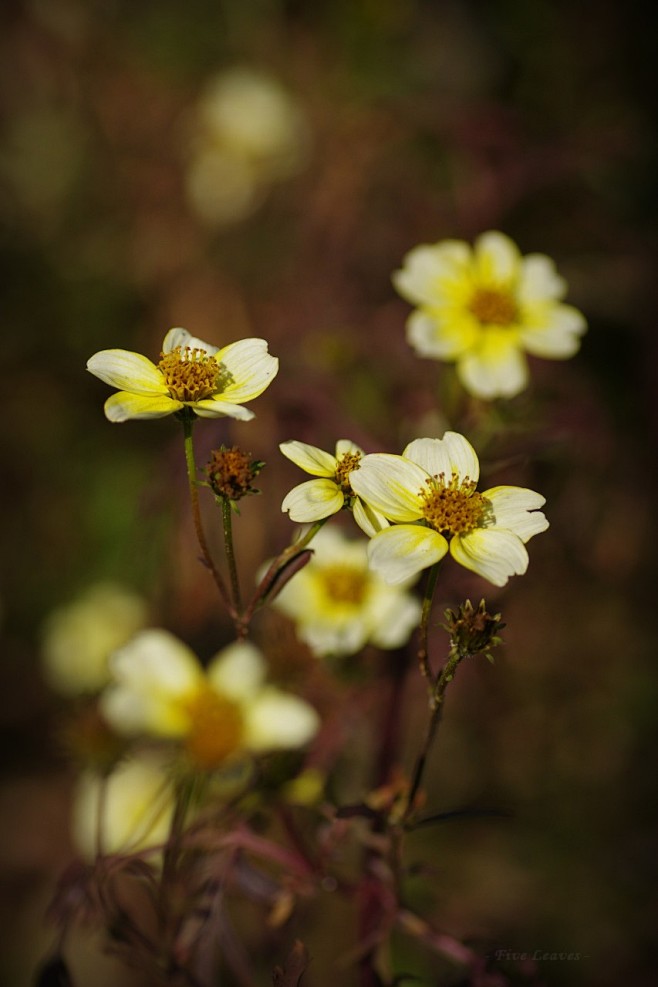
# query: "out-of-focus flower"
[[485, 307], [320, 498], [247, 133], [79, 638], [212, 382], [339, 604], [161, 690], [135, 801], [429, 492]]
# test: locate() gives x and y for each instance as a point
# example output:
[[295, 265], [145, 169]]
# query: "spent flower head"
[[339, 604], [207, 380], [231, 473], [485, 307], [332, 490], [215, 714], [430, 495], [473, 632]]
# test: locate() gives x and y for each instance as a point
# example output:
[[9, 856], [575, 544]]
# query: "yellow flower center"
[[453, 508], [192, 374], [343, 584], [493, 306], [348, 461], [216, 728]]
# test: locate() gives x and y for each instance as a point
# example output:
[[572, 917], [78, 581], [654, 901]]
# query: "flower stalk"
[[190, 461]]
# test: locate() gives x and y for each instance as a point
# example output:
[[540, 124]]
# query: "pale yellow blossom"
[[430, 495], [339, 604], [331, 490], [209, 380], [484, 308], [161, 690]]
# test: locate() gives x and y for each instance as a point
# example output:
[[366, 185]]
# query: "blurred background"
[[259, 168]]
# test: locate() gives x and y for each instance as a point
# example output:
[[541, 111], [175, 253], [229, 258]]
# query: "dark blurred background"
[[402, 122]]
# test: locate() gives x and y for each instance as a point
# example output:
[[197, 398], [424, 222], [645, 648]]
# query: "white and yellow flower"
[[136, 803], [430, 494], [161, 690], [212, 382], [331, 491], [339, 604], [79, 637], [245, 134], [484, 308]]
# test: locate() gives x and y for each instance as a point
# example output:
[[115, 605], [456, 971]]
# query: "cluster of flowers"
[[481, 308]]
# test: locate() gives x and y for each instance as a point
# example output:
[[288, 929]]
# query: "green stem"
[[230, 554], [423, 652], [196, 514]]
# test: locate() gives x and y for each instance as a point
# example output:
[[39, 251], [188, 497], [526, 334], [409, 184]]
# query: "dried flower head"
[[473, 632], [231, 473]]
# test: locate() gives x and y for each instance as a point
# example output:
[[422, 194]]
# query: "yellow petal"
[[309, 458], [251, 369], [494, 554], [399, 553], [313, 500], [127, 371], [125, 405]]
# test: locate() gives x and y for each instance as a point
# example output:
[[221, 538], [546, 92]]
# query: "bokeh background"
[[403, 121]]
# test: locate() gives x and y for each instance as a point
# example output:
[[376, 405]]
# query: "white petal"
[[452, 453], [391, 485], [441, 337], [156, 657], [237, 671], [345, 447], [426, 269], [217, 407], [155, 673], [539, 280], [394, 617], [400, 552], [181, 337], [515, 508], [127, 371], [312, 460], [497, 258], [368, 519], [276, 720], [137, 806], [496, 369], [251, 367], [553, 332], [492, 553], [313, 500], [123, 406]]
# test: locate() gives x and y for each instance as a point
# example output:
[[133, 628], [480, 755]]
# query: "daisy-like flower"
[[484, 308], [212, 382], [320, 498], [430, 494], [227, 710], [339, 604]]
